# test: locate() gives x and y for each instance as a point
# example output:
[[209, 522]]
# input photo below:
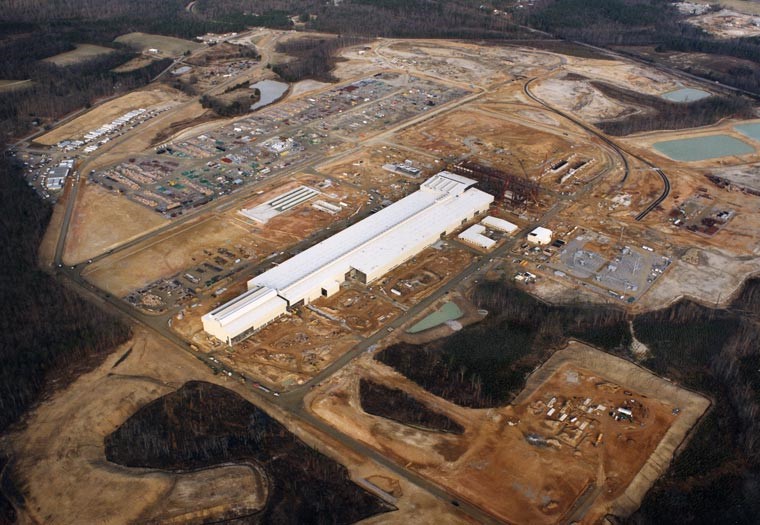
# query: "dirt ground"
[[423, 274], [13, 85], [742, 6], [61, 459], [730, 23], [493, 139], [103, 220], [155, 130], [179, 249], [365, 169], [105, 113], [567, 474], [136, 63], [166, 45], [82, 53]]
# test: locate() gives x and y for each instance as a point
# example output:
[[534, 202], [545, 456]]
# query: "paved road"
[[293, 402]]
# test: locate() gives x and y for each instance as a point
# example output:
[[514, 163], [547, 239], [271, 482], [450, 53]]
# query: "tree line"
[[49, 333]]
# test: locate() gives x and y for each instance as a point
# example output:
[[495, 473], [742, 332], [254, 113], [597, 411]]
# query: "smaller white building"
[[474, 236], [237, 319], [500, 225], [541, 236]]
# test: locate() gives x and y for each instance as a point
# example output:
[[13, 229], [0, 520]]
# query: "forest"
[[395, 404], [50, 334], [202, 425], [656, 23], [485, 365], [662, 114], [716, 477]]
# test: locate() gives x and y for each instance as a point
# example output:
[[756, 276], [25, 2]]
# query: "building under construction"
[[507, 188]]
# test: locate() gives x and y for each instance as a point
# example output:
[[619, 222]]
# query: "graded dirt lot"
[[82, 53], [106, 113], [180, 249], [525, 463], [495, 139], [103, 220], [155, 131], [166, 45]]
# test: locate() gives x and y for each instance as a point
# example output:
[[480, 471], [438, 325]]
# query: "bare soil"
[[103, 220], [523, 465], [105, 113], [203, 425]]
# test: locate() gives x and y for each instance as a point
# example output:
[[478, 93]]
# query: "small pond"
[[270, 90]]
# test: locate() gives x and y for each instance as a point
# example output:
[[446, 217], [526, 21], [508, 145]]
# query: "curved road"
[[292, 402], [620, 152]]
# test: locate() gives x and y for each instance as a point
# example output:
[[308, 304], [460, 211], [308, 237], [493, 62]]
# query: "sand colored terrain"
[[168, 254], [13, 85], [494, 466], [106, 113], [580, 98], [82, 53], [60, 460], [155, 131], [103, 220], [61, 453]]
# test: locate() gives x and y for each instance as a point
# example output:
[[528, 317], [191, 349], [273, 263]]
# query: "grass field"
[[166, 45], [82, 53]]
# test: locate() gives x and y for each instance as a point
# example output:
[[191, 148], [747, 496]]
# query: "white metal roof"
[[377, 240], [474, 235], [496, 223]]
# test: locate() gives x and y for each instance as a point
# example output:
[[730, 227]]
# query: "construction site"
[[284, 248], [586, 437]]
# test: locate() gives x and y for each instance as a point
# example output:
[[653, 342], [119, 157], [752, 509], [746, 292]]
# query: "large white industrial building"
[[365, 251]]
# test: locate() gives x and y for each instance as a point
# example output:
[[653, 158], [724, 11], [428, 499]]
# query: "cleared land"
[[82, 53], [184, 248], [521, 463], [12, 85], [105, 113], [166, 45], [103, 221], [67, 478]]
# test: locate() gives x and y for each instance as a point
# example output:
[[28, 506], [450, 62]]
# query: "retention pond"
[[686, 95], [448, 312], [749, 130], [702, 148], [270, 91]]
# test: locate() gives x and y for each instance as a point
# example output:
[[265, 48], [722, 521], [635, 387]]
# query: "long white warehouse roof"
[[372, 246], [379, 239], [496, 223]]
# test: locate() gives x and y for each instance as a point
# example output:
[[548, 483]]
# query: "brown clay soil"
[[59, 458], [562, 472], [103, 220]]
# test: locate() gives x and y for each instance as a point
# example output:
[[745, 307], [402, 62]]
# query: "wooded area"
[[201, 425], [486, 364], [395, 404], [716, 478], [49, 333], [662, 114]]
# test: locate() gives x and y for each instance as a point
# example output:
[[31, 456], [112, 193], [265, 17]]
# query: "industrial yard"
[[282, 249]]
